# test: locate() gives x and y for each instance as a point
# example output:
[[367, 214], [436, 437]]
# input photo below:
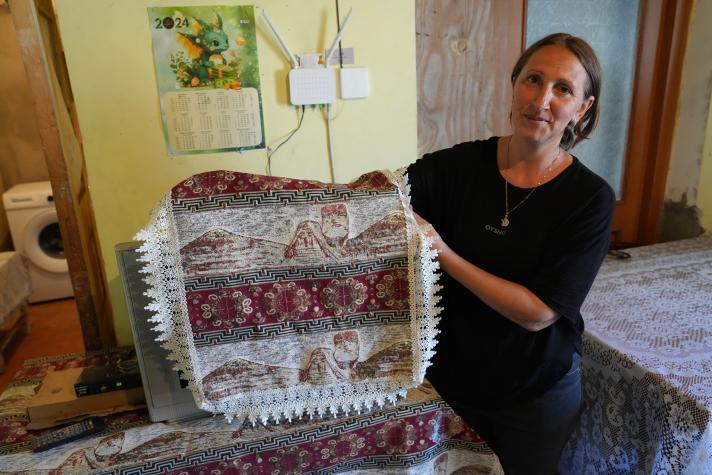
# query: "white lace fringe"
[[164, 276], [423, 277]]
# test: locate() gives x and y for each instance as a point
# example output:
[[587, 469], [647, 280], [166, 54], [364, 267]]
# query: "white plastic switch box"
[[354, 83]]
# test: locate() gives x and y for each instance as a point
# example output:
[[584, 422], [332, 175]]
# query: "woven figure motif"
[[279, 297]]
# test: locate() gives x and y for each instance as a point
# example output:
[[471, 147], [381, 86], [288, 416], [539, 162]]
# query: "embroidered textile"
[[278, 296], [419, 435]]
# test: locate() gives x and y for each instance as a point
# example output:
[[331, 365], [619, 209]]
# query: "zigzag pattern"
[[249, 199], [237, 450], [401, 460], [380, 461], [308, 326], [293, 273]]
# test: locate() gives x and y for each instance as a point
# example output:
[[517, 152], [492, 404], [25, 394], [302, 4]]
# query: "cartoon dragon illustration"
[[204, 46]]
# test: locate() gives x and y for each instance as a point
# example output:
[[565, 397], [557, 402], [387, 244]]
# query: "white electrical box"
[[354, 83], [308, 83], [312, 86]]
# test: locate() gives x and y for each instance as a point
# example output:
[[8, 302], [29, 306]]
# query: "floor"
[[53, 330]]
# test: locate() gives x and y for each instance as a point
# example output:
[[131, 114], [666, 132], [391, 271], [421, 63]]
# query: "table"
[[647, 365], [647, 374], [420, 435]]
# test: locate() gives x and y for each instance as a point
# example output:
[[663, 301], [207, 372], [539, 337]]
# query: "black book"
[[121, 374]]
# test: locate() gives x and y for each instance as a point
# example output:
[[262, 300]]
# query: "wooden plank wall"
[[465, 53]]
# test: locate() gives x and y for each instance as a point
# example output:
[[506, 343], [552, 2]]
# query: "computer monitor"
[[167, 397]]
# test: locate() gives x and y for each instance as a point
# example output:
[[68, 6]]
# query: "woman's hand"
[[429, 230]]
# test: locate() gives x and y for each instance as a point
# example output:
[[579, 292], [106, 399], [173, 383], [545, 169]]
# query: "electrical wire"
[[338, 28], [291, 134], [330, 139]]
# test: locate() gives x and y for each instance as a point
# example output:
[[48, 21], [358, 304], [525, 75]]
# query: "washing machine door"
[[43, 242]]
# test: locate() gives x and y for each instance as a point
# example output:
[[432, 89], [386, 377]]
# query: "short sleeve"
[[431, 182], [573, 256]]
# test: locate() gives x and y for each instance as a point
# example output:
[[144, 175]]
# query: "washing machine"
[[32, 217]]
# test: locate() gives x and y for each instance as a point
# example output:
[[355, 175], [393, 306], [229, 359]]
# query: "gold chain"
[[505, 220]]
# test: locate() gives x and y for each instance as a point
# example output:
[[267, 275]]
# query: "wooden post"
[[65, 163]]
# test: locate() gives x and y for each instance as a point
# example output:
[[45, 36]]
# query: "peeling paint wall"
[[681, 214], [680, 220], [21, 156]]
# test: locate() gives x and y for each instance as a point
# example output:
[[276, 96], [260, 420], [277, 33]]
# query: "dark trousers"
[[529, 438]]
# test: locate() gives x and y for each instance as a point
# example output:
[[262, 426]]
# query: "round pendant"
[[505, 222]]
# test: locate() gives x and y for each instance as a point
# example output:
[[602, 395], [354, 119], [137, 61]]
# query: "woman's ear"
[[585, 106]]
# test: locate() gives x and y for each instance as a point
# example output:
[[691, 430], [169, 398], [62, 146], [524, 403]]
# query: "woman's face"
[[548, 94]]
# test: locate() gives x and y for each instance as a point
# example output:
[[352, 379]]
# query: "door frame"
[[665, 24], [662, 39]]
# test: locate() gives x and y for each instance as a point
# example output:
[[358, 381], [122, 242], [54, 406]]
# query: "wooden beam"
[[52, 131]]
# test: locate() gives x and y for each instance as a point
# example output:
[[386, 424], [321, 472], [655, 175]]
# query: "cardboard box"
[[56, 403]]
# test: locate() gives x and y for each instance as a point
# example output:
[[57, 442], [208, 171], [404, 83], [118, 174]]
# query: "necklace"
[[507, 211]]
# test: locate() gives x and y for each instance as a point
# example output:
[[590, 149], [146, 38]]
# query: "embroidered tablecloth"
[[647, 365], [278, 297], [14, 283], [419, 435]]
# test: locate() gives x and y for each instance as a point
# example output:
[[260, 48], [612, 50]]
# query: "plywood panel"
[[465, 54]]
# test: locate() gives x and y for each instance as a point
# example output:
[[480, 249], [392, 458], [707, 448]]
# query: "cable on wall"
[[271, 152], [328, 118], [338, 28], [330, 140]]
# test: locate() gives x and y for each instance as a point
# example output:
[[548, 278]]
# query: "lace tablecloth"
[[647, 365], [419, 435], [14, 283]]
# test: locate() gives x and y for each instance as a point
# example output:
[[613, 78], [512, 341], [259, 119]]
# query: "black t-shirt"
[[554, 246]]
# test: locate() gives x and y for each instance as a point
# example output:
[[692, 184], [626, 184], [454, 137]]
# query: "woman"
[[521, 227]]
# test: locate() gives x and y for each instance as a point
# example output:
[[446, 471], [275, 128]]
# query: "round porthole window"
[[50, 241], [43, 242]]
